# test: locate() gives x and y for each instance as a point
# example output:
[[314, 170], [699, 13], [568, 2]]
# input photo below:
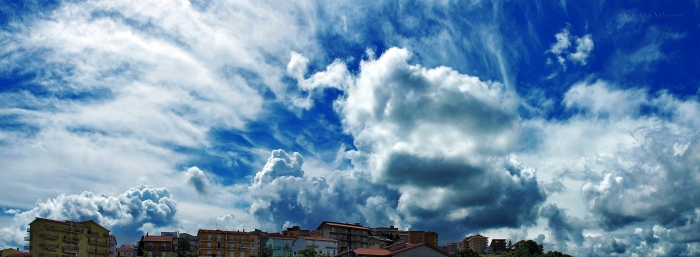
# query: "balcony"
[[26, 238], [205, 239], [205, 247], [219, 247], [95, 234], [69, 255], [231, 240], [27, 247], [70, 249], [70, 239], [48, 246], [47, 255], [94, 250], [48, 236], [95, 242], [165, 248], [28, 230]]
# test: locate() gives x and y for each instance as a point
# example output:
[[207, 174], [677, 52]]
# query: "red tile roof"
[[318, 239], [67, 222], [338, 224], [372, 252], [157, 239], [218, 231], [406, 248], [22, 254]]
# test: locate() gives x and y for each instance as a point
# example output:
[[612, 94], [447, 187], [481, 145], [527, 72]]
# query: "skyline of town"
[[572, 123]]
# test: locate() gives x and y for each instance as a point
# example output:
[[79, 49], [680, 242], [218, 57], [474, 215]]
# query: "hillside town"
[[54, 238]]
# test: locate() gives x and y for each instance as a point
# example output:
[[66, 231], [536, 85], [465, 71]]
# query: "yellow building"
[[53, 238], [222, 243], [8, 252]]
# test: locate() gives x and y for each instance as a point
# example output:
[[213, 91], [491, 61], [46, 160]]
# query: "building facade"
[[223, 243], [159, 246], [423, 237], [350, 236], [280, 245], [325, 246], [112, 246], [498, 244], [475, 242], [53, 238]]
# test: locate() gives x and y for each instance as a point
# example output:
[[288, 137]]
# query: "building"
[[378, 242], [420, 237], [53, 238], [475, 242], [126, 250], [401, 249], [452, 247], [159, 246], [112, 246], [280, 245], [350, 236], [325, 246], [257, 233], [419, 250], [9, 251], [296, 231], [220, 243], [364, 252], [498, 244], [178, 238]]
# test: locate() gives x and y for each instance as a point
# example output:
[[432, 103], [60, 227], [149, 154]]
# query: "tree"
[[170, 255], [140, 247], [192, 254], [529, 248], [309, 252], [466, 253], [265, 252], [184, 244], [145, 254]]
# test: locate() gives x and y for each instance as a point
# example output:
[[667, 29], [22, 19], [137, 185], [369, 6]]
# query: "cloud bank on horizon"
[[574, 124]]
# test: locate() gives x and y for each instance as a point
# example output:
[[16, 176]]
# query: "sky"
[[571, 123]]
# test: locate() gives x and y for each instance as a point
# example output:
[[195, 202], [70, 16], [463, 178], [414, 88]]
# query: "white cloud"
[[584, 46], [560, 49]]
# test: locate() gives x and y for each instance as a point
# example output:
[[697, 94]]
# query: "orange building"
[[351, 236], [423, 237], [223, 243], [159, 246]]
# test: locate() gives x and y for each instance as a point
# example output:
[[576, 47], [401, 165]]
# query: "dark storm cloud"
[[196, 178], [283, 195], [563, 227], [662, 186]]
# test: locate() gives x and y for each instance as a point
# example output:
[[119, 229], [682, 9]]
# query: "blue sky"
[[571, 123]]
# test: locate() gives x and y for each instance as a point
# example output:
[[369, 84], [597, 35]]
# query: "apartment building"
[[223, 243], [159, 246], [325, 246], [350, 236], [112, 246], [422, 237], [296, 231], [9, 251], [280, 245], [126, 250], [475, 242], [54, 238]]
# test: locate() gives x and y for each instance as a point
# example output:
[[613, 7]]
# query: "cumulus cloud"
[[560, 49], [195, 177], [282, 193], [636, 168], [432, 133], [124, 214], [563, 228], [584, 46]]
